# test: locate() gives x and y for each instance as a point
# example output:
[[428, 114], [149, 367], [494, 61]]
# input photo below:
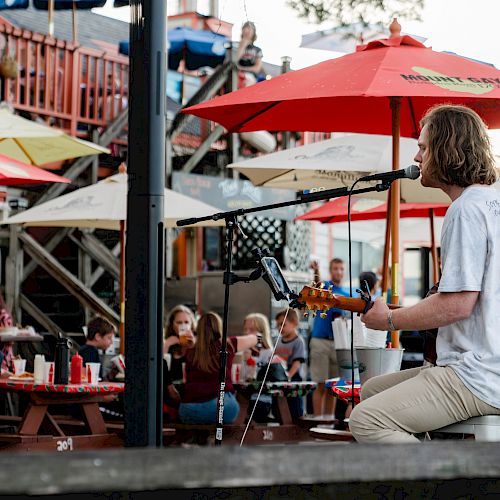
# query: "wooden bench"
[[232, 434], [316, 420]]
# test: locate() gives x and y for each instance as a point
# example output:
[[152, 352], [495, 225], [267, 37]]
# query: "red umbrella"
[[351, 93], [364, 209], [14, 172], [385, 87]]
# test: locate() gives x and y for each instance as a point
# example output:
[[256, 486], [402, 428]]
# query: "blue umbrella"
[[68, 4], [198, 48], [14, 4]]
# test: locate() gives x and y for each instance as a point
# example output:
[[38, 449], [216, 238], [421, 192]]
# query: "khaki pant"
[[322, 359], [398, 405]]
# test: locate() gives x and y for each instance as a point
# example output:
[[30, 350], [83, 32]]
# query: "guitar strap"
[[430, 335]]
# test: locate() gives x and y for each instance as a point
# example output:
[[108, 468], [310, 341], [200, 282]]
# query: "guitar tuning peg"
[[323, 315], [313, 283], [322, 285], [330, 288], [306, 314], [314, 314]]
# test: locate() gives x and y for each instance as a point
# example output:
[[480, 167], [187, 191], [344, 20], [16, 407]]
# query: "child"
[[292, 349], [257, 323], [100, 333]]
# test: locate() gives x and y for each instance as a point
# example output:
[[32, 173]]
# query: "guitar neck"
[[318, 299]]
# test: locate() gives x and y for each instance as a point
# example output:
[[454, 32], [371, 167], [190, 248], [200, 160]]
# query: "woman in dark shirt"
[[199, 402], [179, 336], [249, 56]]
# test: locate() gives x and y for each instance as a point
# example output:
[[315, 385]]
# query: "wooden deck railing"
[[75, 88]]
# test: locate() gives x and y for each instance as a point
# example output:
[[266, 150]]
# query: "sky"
[[469, 30]]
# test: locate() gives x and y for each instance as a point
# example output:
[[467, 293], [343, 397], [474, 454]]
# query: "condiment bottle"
[[61, 360], [76, 369], [39, 369]]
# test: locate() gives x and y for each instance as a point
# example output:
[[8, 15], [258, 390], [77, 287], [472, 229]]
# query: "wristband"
[[390, 322]]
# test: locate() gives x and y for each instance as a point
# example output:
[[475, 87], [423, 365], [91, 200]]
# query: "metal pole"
[[285, 68], [395, 197], [230, 226], [145, 231]]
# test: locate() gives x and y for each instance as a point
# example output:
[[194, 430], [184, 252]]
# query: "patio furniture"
[[485, 428], [37, 418]]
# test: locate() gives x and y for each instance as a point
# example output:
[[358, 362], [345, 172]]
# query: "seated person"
[[100, 333], [4, 373], [258, 324], [369, 278], [292, 349], [171, 397], [179, 336], [199, 401], [249, 56]]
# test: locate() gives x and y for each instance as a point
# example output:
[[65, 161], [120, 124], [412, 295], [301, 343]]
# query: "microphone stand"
[[230, 278]]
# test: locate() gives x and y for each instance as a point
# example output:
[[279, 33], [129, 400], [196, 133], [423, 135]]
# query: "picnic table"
[[342, 389], [37, 421], [285, 429]]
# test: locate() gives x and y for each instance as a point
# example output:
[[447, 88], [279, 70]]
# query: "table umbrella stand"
[[229, 277]]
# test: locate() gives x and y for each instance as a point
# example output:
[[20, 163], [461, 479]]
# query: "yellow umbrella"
[[36, 144]]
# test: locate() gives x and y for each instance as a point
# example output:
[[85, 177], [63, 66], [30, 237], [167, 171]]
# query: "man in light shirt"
[[455, 156]]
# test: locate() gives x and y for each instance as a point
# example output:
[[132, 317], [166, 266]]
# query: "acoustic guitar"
[[319, 300]]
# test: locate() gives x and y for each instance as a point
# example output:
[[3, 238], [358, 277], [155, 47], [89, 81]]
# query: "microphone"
[[411, 172]]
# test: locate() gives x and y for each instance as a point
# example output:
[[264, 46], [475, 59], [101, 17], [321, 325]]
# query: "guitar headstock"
[[320, 299]]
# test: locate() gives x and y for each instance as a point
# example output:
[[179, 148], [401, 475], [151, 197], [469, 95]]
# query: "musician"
[[455, 156]]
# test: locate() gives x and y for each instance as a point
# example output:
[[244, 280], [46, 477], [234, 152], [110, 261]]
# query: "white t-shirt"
[[470, 250]]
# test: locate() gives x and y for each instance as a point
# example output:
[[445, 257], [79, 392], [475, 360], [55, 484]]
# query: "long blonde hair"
[[207, 347], [261, 324], [459, 147], [169, 325]]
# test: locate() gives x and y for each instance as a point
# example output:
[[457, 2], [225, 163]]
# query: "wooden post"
[[395, 196], [14, 274], [84, 273]]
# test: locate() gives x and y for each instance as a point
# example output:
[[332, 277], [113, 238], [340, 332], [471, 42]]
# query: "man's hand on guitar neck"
[[376, 316]]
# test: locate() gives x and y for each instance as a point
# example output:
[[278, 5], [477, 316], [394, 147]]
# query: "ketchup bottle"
[[76, 369]]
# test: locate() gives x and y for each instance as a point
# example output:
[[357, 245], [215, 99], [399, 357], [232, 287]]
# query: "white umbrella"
[[345, 38], [337, 162], [36, 144], [342, 38], [104, 205]]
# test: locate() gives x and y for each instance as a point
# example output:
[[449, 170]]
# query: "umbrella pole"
[[50, 13], [73, 19], [387, 243], [395, 197], [435, 267], [122, 287]]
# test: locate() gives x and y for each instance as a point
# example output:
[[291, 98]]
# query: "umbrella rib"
[[25, 151], [277, 176], [244, 122], [412, 115]]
